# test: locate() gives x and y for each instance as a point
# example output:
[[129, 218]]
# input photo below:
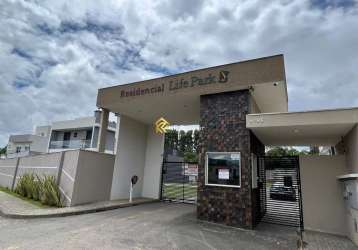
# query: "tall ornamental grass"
[[40, 189]]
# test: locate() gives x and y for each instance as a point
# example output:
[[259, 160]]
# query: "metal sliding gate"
[[179, 182], [280, 191]]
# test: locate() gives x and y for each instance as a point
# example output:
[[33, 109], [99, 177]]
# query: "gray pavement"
[[322, 241], [148, 226], [13, 207]]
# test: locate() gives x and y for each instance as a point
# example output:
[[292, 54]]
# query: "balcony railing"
[[71, 144], [14, 153]]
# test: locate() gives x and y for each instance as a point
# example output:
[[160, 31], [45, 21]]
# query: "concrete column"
[[116, 133], [60, 166], [103, 130], [153, 164], [130, 158], [15, 173]]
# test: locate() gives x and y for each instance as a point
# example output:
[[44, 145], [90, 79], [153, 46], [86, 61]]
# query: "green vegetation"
[[190, 157], [3, 151], [185, 142], [33, 202], [175, 190], [289, 151], [44, 190]]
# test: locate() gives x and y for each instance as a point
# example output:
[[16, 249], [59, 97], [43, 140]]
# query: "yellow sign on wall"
[[161, 126]]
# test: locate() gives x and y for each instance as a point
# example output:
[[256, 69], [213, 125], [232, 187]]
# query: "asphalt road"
[[150, 226]]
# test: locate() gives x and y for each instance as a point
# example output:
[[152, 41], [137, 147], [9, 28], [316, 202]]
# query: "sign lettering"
[[178, 84]]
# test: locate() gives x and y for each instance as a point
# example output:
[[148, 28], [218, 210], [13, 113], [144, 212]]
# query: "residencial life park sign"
[[222, 77]]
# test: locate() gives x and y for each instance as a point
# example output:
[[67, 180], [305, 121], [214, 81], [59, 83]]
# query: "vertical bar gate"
[[280, 191], [179, 182]]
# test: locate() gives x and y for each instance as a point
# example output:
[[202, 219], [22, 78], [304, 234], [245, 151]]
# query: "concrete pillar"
[[153, 164], [130, 158], [116, 133], [103, 130], [140, 153], [226, 132]]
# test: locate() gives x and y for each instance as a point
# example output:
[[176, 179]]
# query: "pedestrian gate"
[[179, 182], [280, 191]]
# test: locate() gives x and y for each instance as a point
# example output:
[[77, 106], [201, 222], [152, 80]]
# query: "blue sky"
[[54, 55]]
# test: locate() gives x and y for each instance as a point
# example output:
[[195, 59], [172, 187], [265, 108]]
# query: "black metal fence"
[[179, 182], [280, 191]]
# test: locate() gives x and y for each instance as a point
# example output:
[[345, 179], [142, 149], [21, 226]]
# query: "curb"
[[71, 213]]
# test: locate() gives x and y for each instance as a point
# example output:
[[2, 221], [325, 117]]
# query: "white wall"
[[351, 150], [110, 141], [7, 172], [39, 144], [139, 152], [84, 122], [42, 131], [322, 194], [93, 177], [130, 158], [44, 164], [68, 175], [352, 221], [153, 164]]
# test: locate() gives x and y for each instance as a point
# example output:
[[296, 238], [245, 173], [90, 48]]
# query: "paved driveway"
[[150, 226]]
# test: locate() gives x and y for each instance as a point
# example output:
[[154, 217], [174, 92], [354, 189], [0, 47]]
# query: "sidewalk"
[[12, 207]]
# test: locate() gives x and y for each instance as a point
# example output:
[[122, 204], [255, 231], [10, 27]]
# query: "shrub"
[[25, 185], [50, 193], [37, 188], [43, 189]]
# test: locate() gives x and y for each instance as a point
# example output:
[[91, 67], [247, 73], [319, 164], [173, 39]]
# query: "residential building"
[[79, 133], [29, 144]]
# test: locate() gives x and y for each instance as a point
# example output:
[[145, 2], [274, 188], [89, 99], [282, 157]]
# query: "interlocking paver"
[[323, 241]]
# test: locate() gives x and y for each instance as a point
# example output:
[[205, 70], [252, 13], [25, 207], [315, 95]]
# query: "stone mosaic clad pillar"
[[223, 129]]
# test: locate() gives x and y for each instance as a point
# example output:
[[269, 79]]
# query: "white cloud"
[[54, 55]]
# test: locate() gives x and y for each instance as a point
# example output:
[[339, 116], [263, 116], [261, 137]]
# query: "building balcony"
[[70, 144], [17, 153]]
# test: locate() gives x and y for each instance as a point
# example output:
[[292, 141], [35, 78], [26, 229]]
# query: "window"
[[27, 148], [89, 134], [18, 149], [223, 169], [75, 134]]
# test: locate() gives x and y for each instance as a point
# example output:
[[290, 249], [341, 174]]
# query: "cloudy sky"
[[54, 55]]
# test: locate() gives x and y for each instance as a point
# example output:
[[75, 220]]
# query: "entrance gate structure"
[[280, 191], [179, 182], [219, 99]]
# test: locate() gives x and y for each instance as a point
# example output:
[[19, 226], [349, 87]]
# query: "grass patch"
[[175, 190], [33, 202]]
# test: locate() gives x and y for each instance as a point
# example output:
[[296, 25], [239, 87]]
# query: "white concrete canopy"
[[321, 127]]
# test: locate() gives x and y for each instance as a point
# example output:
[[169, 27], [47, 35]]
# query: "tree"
[[3, 150], [171, 140], [190, 157], [188, 140], [314, 150], [284, 151], [182, 143], [196, 141], [185, 142]]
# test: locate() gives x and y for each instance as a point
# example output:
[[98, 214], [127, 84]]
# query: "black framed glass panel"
[[223, 169]]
